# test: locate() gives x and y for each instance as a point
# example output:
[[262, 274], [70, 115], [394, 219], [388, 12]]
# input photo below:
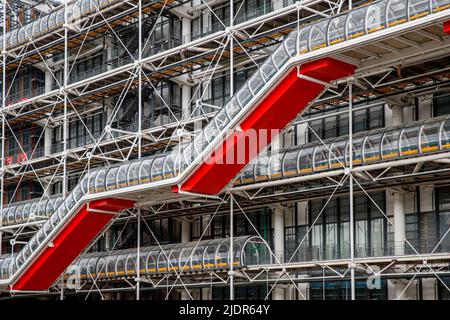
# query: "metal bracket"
[[314, 80]]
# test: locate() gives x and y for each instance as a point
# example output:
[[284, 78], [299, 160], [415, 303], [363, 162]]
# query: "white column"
[[399, 223], [185, 231], [397, 115], [278, 233], [185, 237], [186, 90], [206, 294], [48, 81], [48, 134], [109, 52], [278, 292], [429, 289], [277, 4]]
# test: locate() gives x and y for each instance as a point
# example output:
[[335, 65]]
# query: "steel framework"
[[403, 58]]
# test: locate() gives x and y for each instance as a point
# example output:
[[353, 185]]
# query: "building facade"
[[350, 201]]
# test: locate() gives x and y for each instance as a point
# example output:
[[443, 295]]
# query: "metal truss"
[[377, 57]]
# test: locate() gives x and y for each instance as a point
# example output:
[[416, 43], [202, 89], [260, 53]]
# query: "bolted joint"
[[229, 31], [89, 155], [231, 273]]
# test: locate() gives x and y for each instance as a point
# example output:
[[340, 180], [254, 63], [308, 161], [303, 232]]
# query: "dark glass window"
[[340, 290], [335, 126], [330, 237], [441, 105], [258, 292]]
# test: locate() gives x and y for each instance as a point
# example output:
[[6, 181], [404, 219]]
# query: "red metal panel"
[[289, 98], [447, 27], [68, 244]]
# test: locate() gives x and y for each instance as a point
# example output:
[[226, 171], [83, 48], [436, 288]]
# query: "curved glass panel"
[[445, 134], [409, 141], [52, 21], [243, 97], [21, 35], [358, 150], [100, 181], [169, 167], [60, 17], [91, 182], [439, 5], [157, 169], [318, 35], [85, 6], [289, 165], [372, 148], [262, 169], [131, 264], [390, 144], [111, 178], [36, 29], [303, 40], [418, 8], [305, 160], [256, 82], [336, 29], [429, 137], [356, 23], [133, 174], [144, 171], [376, 17], [94, 5], [268, 69], [397, 12], [44, 24], [151, 262], [290, 44], [280, 56], [321, 156], [122, 174]]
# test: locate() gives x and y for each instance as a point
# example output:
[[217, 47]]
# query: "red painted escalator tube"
[[273, 113], [69, 243]]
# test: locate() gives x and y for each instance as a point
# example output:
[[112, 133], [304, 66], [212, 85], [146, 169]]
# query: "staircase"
[[132, 44]]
